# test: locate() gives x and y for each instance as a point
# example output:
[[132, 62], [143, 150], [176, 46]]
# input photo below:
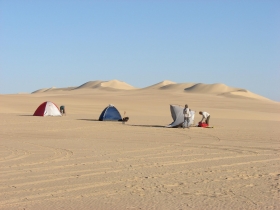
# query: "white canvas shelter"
[[178, 116]]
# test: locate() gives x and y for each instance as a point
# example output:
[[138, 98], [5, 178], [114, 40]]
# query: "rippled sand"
[[78, 162]]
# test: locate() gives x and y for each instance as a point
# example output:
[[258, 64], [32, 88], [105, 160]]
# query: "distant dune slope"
[[117, 85], [41, 90], [90, 84], [112, 84], [178, 86], [160, 85], [241, 93], [44, 90], [53, 89], [169, 85], [223, 90], [209, 88], [166, 85]]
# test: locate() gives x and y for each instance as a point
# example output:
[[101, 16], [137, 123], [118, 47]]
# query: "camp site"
[[92, 156], [139, 105]]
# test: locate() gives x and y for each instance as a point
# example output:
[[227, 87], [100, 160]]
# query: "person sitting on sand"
[[205, 116], [187, 116], [62, 110]]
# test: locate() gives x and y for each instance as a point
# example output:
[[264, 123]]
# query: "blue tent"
[[110, 113]]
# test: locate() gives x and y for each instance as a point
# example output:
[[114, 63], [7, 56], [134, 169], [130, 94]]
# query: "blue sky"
[[67, 43]]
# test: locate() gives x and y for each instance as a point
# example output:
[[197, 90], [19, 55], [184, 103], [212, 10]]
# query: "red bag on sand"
[[202, 124]]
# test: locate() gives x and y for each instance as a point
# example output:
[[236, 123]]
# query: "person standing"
[[187, 116], [62, 110], [205, 116]]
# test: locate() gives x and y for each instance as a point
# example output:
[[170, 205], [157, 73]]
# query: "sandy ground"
[[78, 162]]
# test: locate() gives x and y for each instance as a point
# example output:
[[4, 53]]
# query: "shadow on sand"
[[88, 119], [148, 126], [151, 126]]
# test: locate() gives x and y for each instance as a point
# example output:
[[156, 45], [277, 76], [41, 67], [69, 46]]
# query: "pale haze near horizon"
[[67, 43]]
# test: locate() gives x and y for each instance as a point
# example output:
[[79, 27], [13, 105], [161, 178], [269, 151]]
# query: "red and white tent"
[[47, 109]]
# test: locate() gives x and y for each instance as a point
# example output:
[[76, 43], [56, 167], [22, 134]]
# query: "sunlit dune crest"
[[90, 84], [114, 84], [218, 89], [243, 94], [117, 85], [44, 90], [209, 88], [223, 90], [177, 86], [160, 84]]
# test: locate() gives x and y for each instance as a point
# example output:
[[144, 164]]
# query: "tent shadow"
[[89, 119], [151, 126]]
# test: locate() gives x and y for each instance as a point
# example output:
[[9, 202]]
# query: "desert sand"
[[78, 162]]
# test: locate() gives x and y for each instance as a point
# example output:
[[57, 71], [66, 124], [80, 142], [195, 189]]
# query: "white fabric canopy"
[[178, 116]]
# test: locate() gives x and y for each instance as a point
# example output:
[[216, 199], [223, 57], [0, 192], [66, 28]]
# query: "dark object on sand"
[[125, 119]]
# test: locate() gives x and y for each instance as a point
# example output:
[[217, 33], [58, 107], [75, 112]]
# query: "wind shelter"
[[110, 113], [47, 108], [178, 116]]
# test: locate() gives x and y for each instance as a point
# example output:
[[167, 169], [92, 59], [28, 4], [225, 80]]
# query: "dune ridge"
[[178, 86], [117, 85], [223, 90], [218, 89], [42, 90], [160, 84], [53, 89], [241, 93], [90, 84]]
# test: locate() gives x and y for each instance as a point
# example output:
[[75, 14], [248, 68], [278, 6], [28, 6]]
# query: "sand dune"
[[160, 84], [114, 84], [90, 84], [177, 86], [223, 90], [98, 84], [243, 94], [117, 85], [42, 90], [166, 85], [53, 89], [209, 88]]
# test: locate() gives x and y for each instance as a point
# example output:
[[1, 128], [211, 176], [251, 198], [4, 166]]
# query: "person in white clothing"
[[187, 116], [205, 116]]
